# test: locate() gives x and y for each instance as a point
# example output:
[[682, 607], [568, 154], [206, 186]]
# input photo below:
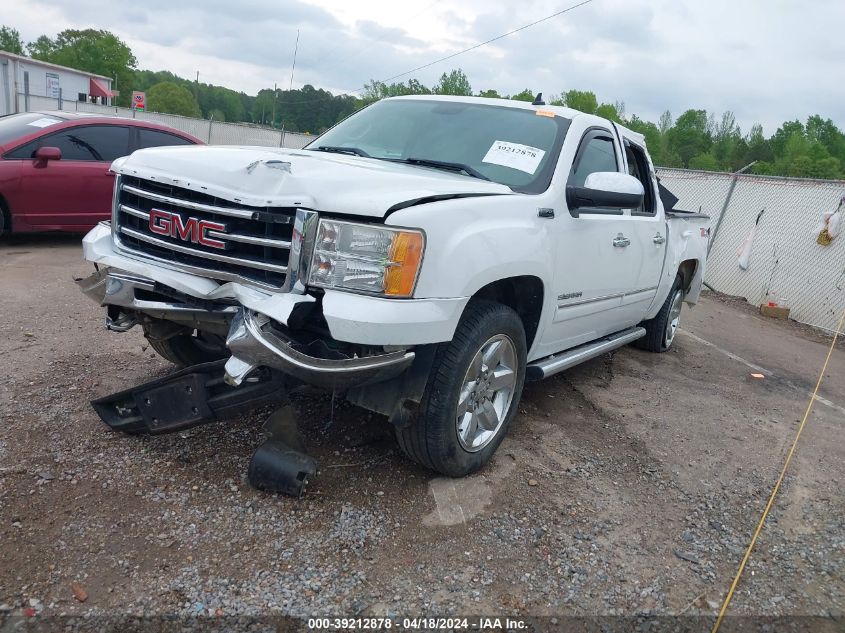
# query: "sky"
[[767, 61]]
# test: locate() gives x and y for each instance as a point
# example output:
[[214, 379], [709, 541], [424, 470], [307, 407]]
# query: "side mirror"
[[605, 190], [44, 154]]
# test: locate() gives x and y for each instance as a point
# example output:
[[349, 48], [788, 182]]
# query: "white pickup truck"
[[425, 257]]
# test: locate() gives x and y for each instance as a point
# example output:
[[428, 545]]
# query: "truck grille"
[[211, 237]]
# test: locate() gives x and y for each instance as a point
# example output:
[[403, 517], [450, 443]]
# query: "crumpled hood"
[[259, 176]]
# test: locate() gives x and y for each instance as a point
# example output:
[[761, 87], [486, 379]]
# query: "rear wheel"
[[190, 348], [472, 394], [5, 219], [661, 330]]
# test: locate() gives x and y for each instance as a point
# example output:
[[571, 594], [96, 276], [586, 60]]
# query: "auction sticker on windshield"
[[514, 155], [44, 122]]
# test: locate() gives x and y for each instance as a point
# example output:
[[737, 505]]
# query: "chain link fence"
[[787, 264], [210, 131]]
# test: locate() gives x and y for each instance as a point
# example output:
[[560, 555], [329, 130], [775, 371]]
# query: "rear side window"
[[157, 138], [101, 143], [638, 168], [596, 153]]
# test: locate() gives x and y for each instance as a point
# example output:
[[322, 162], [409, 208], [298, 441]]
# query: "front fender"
[[476, 241]]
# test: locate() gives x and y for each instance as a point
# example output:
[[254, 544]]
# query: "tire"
[[661, 330], [438, 438], [189, 349], [5, 219]]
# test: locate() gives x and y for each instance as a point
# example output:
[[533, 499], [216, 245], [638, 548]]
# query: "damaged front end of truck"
[[229, 277]]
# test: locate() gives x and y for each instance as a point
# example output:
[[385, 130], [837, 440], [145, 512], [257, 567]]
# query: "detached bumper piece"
[[276, 467], [193, 396], [254, 343]]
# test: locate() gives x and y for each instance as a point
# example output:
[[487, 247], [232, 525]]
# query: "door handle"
[[621, 241], [658, 239]]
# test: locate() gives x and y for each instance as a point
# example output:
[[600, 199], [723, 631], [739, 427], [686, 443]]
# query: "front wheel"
[[661, 330], [472, 394]]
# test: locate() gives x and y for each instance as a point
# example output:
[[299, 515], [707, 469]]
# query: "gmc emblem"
[[190, 229]]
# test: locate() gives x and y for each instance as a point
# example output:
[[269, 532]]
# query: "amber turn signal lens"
[[405, 256]]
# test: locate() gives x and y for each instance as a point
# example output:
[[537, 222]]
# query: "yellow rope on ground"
[[775, 490]]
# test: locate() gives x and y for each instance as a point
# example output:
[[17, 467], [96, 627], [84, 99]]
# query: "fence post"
[[210, 123], [60, 98], [26, 91], [728, 197]]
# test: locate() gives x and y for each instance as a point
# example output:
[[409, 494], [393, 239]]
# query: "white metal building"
[[24, 77]]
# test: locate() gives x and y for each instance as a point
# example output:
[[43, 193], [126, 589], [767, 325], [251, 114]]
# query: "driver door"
[[593, 269], [74, 192]]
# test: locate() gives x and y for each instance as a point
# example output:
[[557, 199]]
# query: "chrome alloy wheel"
[[674, 319], [487, 393]]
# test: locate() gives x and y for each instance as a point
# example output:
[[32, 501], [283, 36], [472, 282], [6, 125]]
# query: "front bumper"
[[256, 320], [351, 318], [254, 343]]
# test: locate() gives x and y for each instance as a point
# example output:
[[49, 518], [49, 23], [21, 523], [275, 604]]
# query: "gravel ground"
[[628, 486]]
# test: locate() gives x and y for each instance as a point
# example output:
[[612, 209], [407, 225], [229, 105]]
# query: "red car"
[[54, 167]]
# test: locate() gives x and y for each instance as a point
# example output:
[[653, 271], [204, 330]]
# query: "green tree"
[[758, 146], [375, 90], [581, 100], [173, 99], [94, 51], [653, 137], [825, 132], [525, 95], [664, 123], [490, 94], [704, 161], [609, 111], [783, 134], [727, 142], [690, 136], [453, 83], [42, 48], [10, 40]]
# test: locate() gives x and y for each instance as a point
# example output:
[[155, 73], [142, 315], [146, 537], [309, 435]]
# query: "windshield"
[[511, 146], [15, 126]]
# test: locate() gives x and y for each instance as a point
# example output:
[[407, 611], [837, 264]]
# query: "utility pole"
[[273, 120], [198, 77], [290, 85]]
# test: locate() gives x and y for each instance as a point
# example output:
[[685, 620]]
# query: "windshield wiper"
[[338, 149], [442, 164]]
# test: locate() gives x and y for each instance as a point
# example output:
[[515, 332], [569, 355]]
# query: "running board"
[[555, 363]]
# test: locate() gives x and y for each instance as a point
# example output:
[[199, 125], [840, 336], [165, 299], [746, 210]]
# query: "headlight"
[[367, 258]]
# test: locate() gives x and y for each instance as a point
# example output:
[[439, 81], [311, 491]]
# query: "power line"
[[466, 50], [494, 39]]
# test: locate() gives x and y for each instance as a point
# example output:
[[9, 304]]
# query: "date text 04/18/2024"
[[418, 624]]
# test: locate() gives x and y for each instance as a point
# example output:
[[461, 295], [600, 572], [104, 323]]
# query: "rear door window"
[[157, 138], [639, 169]]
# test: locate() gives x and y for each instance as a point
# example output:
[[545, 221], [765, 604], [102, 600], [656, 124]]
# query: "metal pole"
[[26, 91], [210, 123], [60, 98], [725, 205], [273, 116], [290, 85]]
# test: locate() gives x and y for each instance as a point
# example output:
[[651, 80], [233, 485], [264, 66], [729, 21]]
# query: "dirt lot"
[[628, 486]]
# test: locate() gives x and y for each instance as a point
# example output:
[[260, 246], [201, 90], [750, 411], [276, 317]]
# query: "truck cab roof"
[[562, 111]]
